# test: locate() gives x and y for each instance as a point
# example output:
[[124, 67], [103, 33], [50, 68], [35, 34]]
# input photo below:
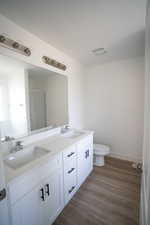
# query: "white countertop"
[[54, 143]]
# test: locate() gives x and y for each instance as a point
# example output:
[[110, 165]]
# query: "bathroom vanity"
[[45, 174]]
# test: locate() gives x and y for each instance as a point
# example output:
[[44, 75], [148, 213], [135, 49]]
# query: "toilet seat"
[[101, 149]]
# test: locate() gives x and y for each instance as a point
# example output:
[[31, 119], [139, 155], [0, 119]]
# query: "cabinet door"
[[54, 197], [85, 160], [42, 205], [28, 209], [88, 159], [3, 198], [81, 166]]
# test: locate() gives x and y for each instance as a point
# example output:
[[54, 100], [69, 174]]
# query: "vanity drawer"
[[70, 170], [69, 154], [70, 186]]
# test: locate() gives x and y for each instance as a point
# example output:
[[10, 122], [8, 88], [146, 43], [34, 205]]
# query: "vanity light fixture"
[[13, 45], [54, 63]]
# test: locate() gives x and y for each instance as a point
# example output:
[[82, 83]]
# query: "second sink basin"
[[72, 134], [24, 157]]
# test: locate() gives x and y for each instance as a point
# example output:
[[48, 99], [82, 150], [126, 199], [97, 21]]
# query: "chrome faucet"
[[7, 139], [65, 128], [18, 146]]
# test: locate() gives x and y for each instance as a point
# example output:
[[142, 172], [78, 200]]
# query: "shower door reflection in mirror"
[[13, 119]]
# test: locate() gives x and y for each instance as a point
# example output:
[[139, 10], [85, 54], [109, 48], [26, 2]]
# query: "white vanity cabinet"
[[37, 197], [84, 158], [42, 204]]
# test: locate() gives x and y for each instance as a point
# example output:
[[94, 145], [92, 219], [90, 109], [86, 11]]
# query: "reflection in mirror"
[[31, 98], [13, 120], [47, 98]]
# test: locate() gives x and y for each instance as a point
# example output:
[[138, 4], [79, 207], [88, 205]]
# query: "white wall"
[[37, 82], [145, 190], [39, 48], [57, 100], [114, 106]]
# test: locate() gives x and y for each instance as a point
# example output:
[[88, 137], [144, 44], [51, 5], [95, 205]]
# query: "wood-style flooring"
[[109, 196]]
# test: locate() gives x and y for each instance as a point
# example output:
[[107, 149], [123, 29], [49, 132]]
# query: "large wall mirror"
[[31, 98]]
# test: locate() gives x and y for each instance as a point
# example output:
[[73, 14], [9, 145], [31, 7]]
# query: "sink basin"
[[72, 134], [24, 157]]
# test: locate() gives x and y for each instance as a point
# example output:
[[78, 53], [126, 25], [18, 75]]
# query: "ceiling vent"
[[99, 51]]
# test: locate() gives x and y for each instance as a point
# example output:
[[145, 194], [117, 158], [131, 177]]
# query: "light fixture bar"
[[14, 45], [54, 63]]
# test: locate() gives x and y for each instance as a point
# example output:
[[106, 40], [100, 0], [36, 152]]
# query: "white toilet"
[[99, 152]]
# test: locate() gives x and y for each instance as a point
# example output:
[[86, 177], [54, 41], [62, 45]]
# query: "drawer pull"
[[69, 155], [43, 194], [73, 187], [71, 170], [47, 189]]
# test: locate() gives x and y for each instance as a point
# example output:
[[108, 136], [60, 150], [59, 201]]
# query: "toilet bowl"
[[100, 151]]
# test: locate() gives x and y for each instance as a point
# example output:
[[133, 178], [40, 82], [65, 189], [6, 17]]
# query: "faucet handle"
[[19, 143], [7, 138], [67, 126]]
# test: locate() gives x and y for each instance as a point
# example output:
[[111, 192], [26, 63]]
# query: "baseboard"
[[131, 159]]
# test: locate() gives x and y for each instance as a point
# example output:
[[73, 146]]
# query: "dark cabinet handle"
[[47, 189], [70, 154], [2, 194], [71, 170], [87, 154], [42, 194], [73, 187]]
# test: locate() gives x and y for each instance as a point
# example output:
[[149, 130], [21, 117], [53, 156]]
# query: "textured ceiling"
[[79, 26]]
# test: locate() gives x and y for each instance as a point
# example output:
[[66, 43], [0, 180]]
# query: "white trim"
[[125, 157]]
